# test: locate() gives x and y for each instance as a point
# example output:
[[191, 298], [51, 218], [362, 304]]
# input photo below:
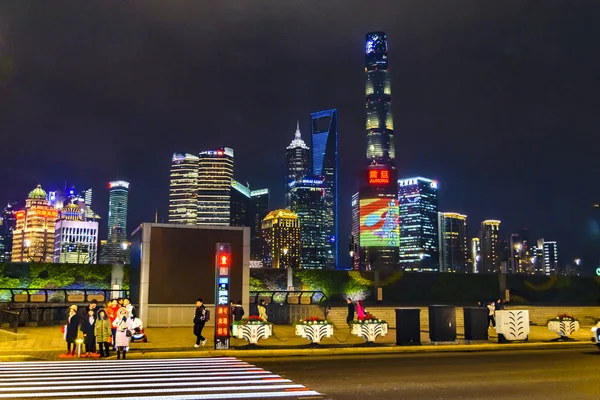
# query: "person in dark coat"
[[93, 307], [72, 329], [350, 316], [88, 326], [238, 311], [199, 321]]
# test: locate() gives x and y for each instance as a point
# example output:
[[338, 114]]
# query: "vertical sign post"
[[222, 318]]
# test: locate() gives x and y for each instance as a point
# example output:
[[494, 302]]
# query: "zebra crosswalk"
[[172, 379]]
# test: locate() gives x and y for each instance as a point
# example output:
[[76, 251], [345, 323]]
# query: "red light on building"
[[379, 177]]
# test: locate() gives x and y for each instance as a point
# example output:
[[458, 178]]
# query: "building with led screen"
[[297, 163], [8, 223], [490, 249], [308, 203], [215, 171], [379, 222], [419, 248], [183, 189], [452, 229], [324, 140], [33, 236], [281, 240], [116, 250]]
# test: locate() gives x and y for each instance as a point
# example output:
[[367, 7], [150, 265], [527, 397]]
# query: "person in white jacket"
[[492, 313], [124, 329]]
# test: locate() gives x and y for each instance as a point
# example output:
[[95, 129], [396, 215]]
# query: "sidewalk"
[[46, 343]]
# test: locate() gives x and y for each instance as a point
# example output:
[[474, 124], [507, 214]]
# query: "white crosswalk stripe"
[[172, 379]]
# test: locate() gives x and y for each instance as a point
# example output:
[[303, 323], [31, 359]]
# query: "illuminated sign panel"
[[379, 222], [379, 177], [116, 184], [222, 267]]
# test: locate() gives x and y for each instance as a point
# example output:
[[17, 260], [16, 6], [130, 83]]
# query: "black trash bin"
[[408, 326], [442, 323], [476, 323]]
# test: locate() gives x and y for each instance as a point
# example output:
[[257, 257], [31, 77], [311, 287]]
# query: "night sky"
[[499, 101]]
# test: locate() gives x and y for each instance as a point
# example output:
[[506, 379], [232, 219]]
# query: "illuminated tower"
[[325, 163], [215, 171], [33, 237], [297, 163], [453, 242], [75, 239], [183, 191], [490, 252], [8, 223], [281, 240], [116, 250]]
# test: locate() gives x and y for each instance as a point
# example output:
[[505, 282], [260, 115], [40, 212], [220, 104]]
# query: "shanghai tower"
[[376, 219]]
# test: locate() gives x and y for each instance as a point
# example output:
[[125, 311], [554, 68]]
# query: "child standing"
[[89, 336], [103, 333]]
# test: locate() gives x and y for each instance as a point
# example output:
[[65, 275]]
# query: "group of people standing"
[[101, 327]]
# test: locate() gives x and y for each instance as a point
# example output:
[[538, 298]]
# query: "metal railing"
[[291, 297], [9, 320], [32, 295]]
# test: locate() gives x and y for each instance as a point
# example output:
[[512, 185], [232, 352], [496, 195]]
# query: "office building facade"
[[355, 249], [215, 172], [475, 255], [260, 205], [183, 189], [33, 236], [75, 238], [419, 237], [452, 228], [297, 163], [116, 250], [308, 203], [8, 223], [490, 249], [281, 240], [324, 143]]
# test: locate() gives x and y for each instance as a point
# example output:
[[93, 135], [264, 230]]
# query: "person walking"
[[103, 333], [262, 310], [71, 329], [88, 326], [350, 316], [124, 330], [199, 321], [491, 314]]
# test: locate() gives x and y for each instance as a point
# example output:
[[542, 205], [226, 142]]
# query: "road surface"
[[529, 374]]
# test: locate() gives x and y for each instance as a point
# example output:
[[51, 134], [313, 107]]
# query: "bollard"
[[79, 342]]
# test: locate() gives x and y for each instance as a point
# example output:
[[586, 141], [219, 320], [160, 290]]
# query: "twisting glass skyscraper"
[[380, 125]]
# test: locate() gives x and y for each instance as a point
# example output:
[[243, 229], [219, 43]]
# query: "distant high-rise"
[[259, 201], [308, 203], [490, 252], [453, 242], [475, 255], [75, 239], [324, 140], [281, 240], [116, 250], [8, 223], [240, 205], [417, 198], [355, 250], [33, 236], [297, 162], [215, 171], [550, 257], [183, 191], [378, 193]]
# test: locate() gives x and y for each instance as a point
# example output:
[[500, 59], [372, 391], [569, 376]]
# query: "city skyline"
[[454, 100]]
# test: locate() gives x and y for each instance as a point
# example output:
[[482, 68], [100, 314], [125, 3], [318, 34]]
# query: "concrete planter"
[[564, 329], [252, 333], [370, 330], [512, 325], [314, 332]]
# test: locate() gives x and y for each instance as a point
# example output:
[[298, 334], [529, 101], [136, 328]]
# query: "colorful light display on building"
[[379, 222]]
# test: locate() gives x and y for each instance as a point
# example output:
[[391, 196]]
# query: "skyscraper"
[[116, 250], [215, 171], [33, 237], [453, 242], [490, 252], [8, 223], [259, 201], [75, 238], [419, 238], [550, 256], [297, 162], [378, 193], [308, 203], [324, 141], [476, 255], [240, 205], [281, 240], [183, 191], [355, 252]]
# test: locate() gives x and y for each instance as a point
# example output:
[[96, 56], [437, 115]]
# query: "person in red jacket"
[[111, 311]]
